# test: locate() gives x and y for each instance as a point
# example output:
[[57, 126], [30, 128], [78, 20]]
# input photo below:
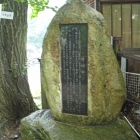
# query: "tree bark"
[[1, 1], [16, 100]]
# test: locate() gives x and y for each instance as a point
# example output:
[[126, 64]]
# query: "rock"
[[106, 87], [40, 125]]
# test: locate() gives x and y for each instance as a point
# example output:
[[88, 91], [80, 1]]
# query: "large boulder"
[[106, 87], [40, 125]]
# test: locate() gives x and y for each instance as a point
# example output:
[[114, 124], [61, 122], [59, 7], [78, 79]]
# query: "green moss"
[[42, 126]]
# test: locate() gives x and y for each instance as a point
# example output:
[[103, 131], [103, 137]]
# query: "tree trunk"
[[16, 100]]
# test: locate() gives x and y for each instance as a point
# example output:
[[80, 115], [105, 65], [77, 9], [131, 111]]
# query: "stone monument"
[[80, 74], [82, 81]]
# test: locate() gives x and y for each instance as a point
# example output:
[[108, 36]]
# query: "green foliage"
[[20, 0], [15, 69], [24, 68], [4, 5], [36, 6]]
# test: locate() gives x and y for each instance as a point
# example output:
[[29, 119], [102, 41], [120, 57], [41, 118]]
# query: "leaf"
[[38, 6]]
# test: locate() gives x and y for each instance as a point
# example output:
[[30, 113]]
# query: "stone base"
[[41, 125]]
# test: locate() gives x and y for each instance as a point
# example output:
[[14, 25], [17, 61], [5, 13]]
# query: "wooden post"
[[116, 43]]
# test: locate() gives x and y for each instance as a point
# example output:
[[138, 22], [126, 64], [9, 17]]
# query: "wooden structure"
[[131, 108], [90, 2]]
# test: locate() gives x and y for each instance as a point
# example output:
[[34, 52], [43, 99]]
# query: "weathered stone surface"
[[106, 87], [40, 125]]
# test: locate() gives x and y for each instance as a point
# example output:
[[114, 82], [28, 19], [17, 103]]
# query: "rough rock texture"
[[106, 87], [40, 125]]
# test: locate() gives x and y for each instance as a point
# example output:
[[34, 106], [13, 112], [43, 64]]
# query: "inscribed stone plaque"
[[74, 38]]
